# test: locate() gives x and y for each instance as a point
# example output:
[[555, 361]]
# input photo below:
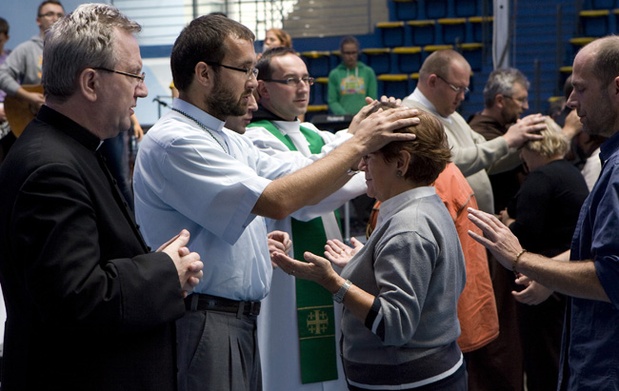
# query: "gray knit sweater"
[[22, 66], [413, 264]]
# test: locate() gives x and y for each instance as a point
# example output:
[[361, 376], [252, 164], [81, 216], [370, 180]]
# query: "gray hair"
[[84, 38], [501, 81]]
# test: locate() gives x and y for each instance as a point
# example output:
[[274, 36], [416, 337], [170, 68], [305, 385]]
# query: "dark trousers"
[[541, 327], [218, 351]]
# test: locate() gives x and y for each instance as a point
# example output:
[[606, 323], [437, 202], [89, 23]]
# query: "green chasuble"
[[315, 315]]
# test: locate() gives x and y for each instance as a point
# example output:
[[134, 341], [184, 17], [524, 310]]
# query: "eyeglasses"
[[51, 14], [140, 77], [249, 72], [456, 89], [294, 81], [522, 101]]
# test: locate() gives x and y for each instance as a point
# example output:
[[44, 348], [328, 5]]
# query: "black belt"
[[201, 302]]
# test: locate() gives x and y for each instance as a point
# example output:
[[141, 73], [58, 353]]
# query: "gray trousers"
[[217, 351]]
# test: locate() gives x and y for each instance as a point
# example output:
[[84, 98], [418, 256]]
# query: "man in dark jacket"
[[88, 308]]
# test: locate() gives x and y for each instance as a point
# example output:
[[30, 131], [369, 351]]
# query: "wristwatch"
[[338, 297]]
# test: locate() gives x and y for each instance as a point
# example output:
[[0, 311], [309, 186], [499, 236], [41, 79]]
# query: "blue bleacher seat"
[[436, 9], [395, 85], [324, 82], [318, 62], [392, 33], [481, 28], [407, 59], [473, 53], [317, 91], [466, 7], [453, 30], [378, 59], [404, 9], [598, 4], [423, 32], [595, 23]]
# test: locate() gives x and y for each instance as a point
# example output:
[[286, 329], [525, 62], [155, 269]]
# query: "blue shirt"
[[207, 179], [592, 333]]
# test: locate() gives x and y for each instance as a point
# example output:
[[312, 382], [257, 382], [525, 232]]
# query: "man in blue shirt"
[[191, 169], [591, 337]]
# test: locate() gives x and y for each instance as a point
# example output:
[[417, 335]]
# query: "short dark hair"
[[44, 3], [348, 39], [204, 39], [264, 64], [4, 26]]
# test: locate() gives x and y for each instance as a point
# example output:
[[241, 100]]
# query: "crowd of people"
[[490, 254]]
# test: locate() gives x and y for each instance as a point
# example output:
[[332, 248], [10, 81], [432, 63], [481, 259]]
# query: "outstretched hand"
[[188, 264], [497, 238], [317, 269], [340, 253]]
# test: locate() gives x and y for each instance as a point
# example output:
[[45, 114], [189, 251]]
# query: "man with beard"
[[193, 172], [589, 358], [505, 99]]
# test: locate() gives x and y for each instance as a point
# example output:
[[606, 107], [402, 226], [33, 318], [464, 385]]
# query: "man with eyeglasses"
[[193, 172], [310, 363], [505, 100], [89, 307], [23, 65], [444, 79], [351, 81]]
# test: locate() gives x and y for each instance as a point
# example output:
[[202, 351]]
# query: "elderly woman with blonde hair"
[[543, 216], [400, 291]]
